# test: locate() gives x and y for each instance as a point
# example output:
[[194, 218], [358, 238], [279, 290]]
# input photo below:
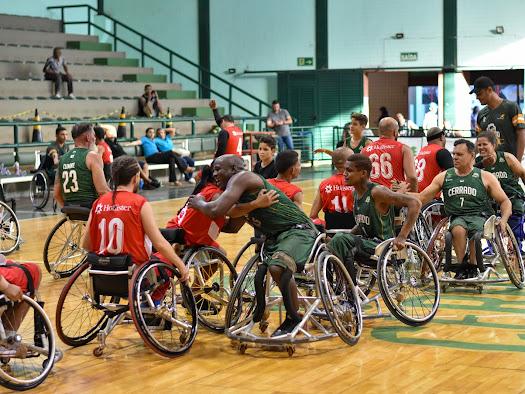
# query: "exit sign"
[[408, 56], [305, 61]]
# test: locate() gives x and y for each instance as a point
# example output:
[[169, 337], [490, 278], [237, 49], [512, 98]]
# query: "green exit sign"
[[408, 56], [305, 61]]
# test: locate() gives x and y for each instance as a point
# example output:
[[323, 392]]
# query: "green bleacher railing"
[[132, 123], [169, 65]]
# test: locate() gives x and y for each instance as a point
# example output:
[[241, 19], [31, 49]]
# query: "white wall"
[[360, 31], [260, 35], [480, 48]]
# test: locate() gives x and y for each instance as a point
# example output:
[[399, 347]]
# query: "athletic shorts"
[[290, 249], [349, 246], [17, 276], [472, 224]]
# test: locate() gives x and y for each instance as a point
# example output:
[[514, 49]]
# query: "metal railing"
[[114, 34]]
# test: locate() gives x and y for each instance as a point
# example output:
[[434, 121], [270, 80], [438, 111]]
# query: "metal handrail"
[[143, 39]]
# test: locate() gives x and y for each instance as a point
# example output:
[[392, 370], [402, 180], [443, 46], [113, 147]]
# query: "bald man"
[[290, 234], [334, 196], [392, 161]]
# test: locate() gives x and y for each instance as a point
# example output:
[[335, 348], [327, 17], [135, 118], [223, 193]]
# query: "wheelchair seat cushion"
[[76, 212], [173, 235]]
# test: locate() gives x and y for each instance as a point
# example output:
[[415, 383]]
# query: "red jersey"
[[387, 161], [335, 195], [427, 166], [199, 229], [234, 145], [116, 228], [289, 189], [107, 154]]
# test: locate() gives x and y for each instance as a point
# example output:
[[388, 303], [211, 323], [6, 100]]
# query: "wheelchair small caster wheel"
[[59, 354], [97, 352], [480, 290], [242, 348], [56, 276], [290, 349]]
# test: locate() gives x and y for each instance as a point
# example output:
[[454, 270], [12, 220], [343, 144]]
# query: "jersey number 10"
[[114, 242]]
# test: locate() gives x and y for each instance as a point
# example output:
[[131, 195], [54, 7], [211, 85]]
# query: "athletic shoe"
[[286, 327], [57, 96], [71, 96], [192, 181]]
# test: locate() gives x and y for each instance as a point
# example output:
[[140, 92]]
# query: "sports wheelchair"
[[327, 296], [92, 304], [63, 254], [28, 353], [42, 183], [10, 239], [496, 251], [212, 278]]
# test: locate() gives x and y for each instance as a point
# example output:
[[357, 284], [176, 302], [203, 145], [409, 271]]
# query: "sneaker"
[[71, 96], [148, 186], [286, 327], [192, 181], [57, 96], [461, 275], [155, 183]]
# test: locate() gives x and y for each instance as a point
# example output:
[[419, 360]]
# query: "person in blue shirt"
[[153, 155], [165, 144]]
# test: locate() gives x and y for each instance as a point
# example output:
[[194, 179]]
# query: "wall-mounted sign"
[[305, 61], [408, 56]]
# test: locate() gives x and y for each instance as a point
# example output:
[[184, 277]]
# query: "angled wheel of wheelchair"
[[78, 316], [9, 229], [249, 250], [39, 190], [339, 297], [212, 280], [243, 300], [409, 284], [62, 252], [163, 309], [510, 255], [433, 212], [436, 246], [26, 357]]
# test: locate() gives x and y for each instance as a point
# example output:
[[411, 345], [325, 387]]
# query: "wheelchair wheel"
[[163, 309], [9, 229], [509, 252], [212, 281], [409, 284], [243, 300], [39, 190], [27, 357], [436, 245], [339, 297], [433, 212], [78, 318], [249, 250], [62, 252]]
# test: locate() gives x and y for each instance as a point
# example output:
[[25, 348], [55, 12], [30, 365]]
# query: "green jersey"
[[504, 120], [465, 195], [281, 216], [75, 177], [371, 223], [507, 179], [360, 146]]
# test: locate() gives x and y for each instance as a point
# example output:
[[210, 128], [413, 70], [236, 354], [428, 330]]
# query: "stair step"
[[177, 94], [200, 112], [144, 78], [122, 62], [88, 46]]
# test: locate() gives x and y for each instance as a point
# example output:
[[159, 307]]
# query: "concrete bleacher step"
[[146, 78], [121, 62], [88, 108], [200, 111], [31, 70], [30, 38], [39, 54], [29, 23], [89, 46], [176, 94], [41, 88]]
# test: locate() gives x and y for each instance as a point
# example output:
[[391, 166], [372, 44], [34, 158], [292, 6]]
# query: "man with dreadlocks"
[[289, 232], [122, 221]]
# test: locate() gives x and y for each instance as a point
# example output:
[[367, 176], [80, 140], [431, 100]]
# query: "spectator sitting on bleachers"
[[56, 70], [154, 156], [149, 104], [165, 144], [55, 151], [104, 151], [117, 151]]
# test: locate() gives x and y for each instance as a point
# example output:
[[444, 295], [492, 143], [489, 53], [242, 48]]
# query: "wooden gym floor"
[[475, 343]]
